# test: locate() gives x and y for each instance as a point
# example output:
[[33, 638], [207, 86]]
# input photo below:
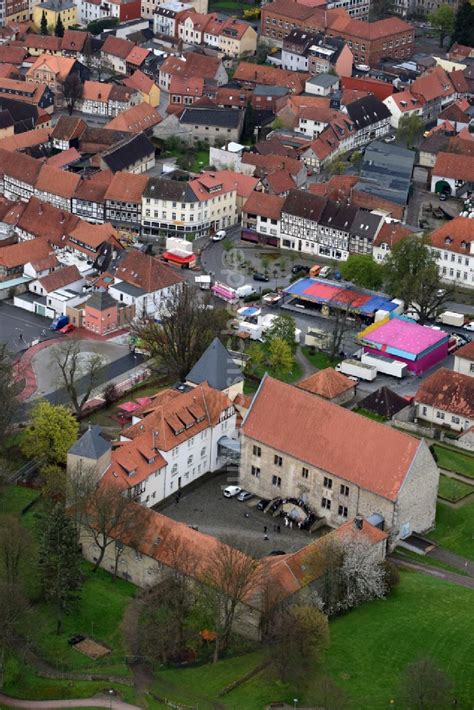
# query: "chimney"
[[358, 522]]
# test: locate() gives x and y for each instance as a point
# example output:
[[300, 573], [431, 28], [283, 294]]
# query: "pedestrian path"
[[452, 577], [98, 702]]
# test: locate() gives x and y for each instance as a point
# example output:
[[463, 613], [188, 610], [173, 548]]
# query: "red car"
[[66, 328]]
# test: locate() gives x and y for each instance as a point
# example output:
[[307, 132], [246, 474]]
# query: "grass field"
[[453, 490], [98, 614], [13, 499], [455, 529], [370, 647], [370, 415], [452, 460], [319, 360], [201, 159]]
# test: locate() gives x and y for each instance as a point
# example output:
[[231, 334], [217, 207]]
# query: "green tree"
[[44, 24], [280, 356], [283, 327], [362, 270], [53, 483], [59, 562], [424, 686], [256, 357], [59, 28], [442, 19], [53, 430], [380, 9], [356, 159], [410, 128], [278, 123], [411, 273], [464, 24], [336, 167], [72, 91]]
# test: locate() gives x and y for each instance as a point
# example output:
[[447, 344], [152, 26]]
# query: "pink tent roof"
[[143, 400], [129, 407]]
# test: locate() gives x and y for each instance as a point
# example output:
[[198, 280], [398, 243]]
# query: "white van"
[[245, 290]]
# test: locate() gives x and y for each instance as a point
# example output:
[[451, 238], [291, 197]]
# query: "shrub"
[[392, 575]]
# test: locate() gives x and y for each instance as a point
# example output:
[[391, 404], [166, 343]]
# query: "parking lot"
[[18, 328], [203, 505]]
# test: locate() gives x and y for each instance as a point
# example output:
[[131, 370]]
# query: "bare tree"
[[14, 609], [106, 516], [160, 627], [10, 387], [15, 547], [298, 639], [79, 374], [185, 329], [72, 91], [342, 313], [231, 577], [424, 686]]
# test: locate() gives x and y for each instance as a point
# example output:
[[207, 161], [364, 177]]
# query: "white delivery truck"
[[451, 318], [245, 290], [354, 368], [385, 365], [254, 330]]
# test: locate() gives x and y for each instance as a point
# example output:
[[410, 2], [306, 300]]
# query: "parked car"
[[59, 322], [66, 328], [244, 496], [299, 268], [258, 276], [262, 503], [325, 272], [218, 236], [389, 139], [469, 326], [231, 491]]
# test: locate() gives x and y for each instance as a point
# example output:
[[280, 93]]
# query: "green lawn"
[[455, 528], [319, 360], [201, 159], [98, 614], [453, 490], [370, 646], [294, 375], [370, 415], [453, 460], [13, 499]]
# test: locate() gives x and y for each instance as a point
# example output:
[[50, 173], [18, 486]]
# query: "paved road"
[[452, 577], [19, 327], [101, 702]]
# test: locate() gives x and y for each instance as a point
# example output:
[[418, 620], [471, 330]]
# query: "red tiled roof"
[[45, 42], [60, 278], [280, 182], [117, 47], [329, 437], [43, 220], [327, 383], [126, 187], [135, 119], [265, 205], [73, 40], [202, 406], [93, 234], [19, 166], [452, 165], [391, 233], [68, 127], [28, 139], [455, 235], [432, 84], [65, 157], [60, 66], [146, 272], [20, 254], [139, 81], [94, 187], [466, 352], [12, 55], [270, 76], [380, 89], [137, 56], [57, 182], [449, 391], [96, 91]]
